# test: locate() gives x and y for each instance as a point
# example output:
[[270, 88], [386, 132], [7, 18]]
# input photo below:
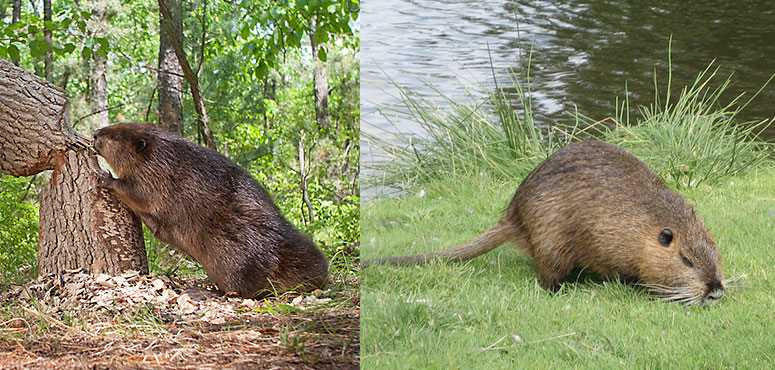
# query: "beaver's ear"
[[140, 145], [666, 237]]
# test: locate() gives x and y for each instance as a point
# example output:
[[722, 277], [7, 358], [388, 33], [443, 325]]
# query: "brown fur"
[[594, 206], [201, 202]]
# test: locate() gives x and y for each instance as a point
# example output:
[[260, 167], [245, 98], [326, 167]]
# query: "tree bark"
[[97, 242], [320, 82], [99, 82], [81, 226], [192, 78], [169, 80]]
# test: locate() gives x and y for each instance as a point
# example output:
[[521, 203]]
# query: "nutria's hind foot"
[[550, 284], [550, 275]]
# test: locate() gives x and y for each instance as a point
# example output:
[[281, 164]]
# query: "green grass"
[[464, 315]]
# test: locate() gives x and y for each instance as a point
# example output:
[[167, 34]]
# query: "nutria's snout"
[[715, 291]]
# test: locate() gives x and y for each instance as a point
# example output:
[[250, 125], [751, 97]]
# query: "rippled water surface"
[[583, 52]]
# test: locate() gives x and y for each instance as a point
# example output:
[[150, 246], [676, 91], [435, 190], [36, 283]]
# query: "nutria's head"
[[681, 261], [124, 145]]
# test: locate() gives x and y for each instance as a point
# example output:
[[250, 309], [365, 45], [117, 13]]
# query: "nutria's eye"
[[686, 261], [114, 137], [666, 237]]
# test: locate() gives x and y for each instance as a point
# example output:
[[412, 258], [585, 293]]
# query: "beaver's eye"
[[686, 261], [666, 237], [114, 137]]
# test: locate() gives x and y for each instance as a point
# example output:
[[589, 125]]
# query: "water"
[[583, 52]]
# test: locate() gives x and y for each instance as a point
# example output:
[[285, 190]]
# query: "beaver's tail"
[[487, 241]]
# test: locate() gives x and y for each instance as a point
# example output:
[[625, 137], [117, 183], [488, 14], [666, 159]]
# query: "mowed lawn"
[[491, 313]]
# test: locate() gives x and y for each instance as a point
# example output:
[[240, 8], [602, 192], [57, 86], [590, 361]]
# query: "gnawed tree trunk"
[[81, 226]]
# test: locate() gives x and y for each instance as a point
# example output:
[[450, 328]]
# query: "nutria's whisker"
[[735, 278]]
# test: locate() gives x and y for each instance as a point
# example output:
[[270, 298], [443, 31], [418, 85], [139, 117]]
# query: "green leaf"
[[262, 69], [49, 25], [3, 52], [13, 52], [276, 36], [82, 26], [37, 48], [322, 54], [33, 29], [321, 37], [86, 52], [15, 26], [245, 32], [85, 14], [66, 23], [103, 43], [69, 47]]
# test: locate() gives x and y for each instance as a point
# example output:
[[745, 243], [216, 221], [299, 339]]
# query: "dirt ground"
[[147, 323]]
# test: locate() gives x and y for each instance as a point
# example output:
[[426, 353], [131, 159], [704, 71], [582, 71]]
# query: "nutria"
[[199, 201], [594, 206]]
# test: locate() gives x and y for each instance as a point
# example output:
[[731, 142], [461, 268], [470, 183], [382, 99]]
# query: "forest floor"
[[133, 321]]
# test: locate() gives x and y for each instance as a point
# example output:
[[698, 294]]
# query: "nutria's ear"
[[666, 237], [140, 145]]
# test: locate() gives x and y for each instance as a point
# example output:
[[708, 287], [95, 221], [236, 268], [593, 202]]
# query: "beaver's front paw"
[[105, 180]]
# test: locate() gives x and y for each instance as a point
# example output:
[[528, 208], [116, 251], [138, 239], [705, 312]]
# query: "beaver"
[[199, 201], [594, 206]]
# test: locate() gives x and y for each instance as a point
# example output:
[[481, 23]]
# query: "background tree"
[[192, 77], [17, 14], [170, 74]]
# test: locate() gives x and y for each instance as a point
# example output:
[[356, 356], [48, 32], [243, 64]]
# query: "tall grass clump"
[[694, 139], [690, 140], [18, 232], [462, 138]]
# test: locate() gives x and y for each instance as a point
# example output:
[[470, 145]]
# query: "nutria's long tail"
[[487, 241]]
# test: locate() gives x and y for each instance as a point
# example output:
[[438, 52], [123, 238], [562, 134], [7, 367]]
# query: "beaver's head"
[[124, 145]]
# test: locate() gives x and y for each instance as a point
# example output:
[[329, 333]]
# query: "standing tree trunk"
[[320, 82], [192, 77], [170, 79], [16, 16], [98, 76], [48, 59], [81, 226]]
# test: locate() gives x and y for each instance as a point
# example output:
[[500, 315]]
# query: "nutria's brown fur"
[[201, 202], [594, 206]]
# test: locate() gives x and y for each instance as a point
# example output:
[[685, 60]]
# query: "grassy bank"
[[490, 310]]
